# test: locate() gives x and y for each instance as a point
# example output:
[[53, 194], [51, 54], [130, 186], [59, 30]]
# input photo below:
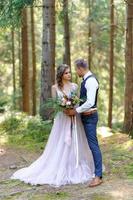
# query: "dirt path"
[[114, 188]]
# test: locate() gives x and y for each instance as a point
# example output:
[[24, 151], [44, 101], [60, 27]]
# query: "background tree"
[[128, 118], [25, 64], [112, 29], [89, 33], [13, 67], [19, 55], [48, 54], [67, 54], [33, 62]]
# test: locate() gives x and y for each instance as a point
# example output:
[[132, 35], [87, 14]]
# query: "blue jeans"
[[90, 125]]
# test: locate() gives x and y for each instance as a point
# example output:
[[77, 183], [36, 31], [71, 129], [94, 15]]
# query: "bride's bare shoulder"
[[54, 86], [54, 91]]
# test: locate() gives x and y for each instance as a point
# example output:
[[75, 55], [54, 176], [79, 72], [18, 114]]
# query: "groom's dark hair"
[[81, 63]]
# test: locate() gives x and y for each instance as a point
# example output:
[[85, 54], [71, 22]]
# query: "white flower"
[[63, 99], [63, 104], [68, 103]]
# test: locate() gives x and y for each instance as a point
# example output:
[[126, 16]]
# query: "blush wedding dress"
[[67, 158]]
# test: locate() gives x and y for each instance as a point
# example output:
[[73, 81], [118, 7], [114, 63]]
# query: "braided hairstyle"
[[60, 71]]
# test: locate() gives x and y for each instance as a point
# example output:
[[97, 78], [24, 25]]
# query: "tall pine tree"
[[48, 54], [128, 119]]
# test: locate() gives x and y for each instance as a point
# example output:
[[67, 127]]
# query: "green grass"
[[18, 129], [51, 196], [129, 171], [117, 156], [101, 196]]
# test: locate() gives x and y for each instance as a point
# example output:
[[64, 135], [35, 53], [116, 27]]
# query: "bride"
[[67, 158]]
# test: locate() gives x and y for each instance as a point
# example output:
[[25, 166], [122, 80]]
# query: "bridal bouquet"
[[64, 102], [70, 101]]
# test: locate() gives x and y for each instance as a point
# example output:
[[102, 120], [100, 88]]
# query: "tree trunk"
[[67, 54], [48, 54], [52, 38], [25, 67], [112, 29], [128, 118], [20, 68], [33, 63], [89, 34], [13, 64]]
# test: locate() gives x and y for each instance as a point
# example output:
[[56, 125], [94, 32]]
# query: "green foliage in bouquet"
[[59, 104], [53, 104]]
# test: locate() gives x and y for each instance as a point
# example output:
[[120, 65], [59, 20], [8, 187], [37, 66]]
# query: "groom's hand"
[[91, 111], [70, 112]]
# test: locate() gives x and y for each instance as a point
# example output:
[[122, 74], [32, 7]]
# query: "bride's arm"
[[53, 91]]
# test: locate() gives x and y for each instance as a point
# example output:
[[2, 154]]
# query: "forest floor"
[[117, 149]]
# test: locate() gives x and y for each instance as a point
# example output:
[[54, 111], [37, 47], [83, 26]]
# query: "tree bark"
[[111, 72], [128, 118], [13, 64], [25, 67], [48, 54], [20, 68], [33, 63], [67, 54], [89, 34]]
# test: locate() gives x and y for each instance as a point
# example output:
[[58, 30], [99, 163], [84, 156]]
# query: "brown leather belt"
[[88, 113]]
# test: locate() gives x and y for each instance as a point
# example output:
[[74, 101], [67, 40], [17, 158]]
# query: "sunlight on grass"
[[104, 131], [3, 139], [128, 145], [118, 194]]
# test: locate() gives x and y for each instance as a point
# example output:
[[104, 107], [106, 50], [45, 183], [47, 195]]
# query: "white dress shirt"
[[91, 86]]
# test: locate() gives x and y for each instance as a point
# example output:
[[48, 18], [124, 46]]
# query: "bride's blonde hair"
[[60, 71]]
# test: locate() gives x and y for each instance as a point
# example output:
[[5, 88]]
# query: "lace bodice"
[[56, 92]]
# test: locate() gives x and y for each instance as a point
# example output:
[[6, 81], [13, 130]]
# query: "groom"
[[89, 115]]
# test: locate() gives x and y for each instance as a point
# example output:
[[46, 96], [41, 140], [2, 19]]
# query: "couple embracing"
[[58, 163]]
